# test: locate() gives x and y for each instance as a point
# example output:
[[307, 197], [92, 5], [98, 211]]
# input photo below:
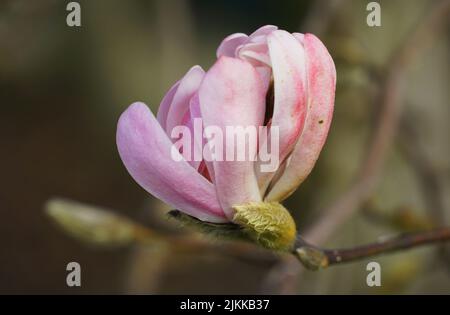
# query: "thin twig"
[[315, 258]]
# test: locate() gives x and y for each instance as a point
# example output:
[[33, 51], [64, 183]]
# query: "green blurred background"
[[62, 90]]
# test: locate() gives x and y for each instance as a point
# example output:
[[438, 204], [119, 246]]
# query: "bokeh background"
[[62, 90]]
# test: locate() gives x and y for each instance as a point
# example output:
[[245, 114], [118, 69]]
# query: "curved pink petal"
[[180, 104], [166, 102], [200, 143], [230, 43], [196, 140], [289, 72], [265, 73], [146, 153], [255, 53], [300, 37], [321, 88], [233, 95]]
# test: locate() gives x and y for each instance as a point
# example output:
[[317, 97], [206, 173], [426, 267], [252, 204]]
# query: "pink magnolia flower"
[[271, 78]]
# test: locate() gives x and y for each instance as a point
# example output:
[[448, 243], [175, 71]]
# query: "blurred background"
[[63, 88]]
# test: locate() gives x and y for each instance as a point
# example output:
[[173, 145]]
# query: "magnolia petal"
[[321, 88], [255, 53], [166, 102], [146, 153], [232, 95], [265, 73], [300, 37], [230, 43], [262, 31], [196, 139], [191, 158], [200, 143], [289, 72], [180, 104]]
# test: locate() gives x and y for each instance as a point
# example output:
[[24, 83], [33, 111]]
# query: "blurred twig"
[[96, 226], [384, 131], [429, 179], [390, 104], [104, 229]]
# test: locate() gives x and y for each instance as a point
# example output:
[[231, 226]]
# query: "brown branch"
[[315, 258], [391, 104]]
